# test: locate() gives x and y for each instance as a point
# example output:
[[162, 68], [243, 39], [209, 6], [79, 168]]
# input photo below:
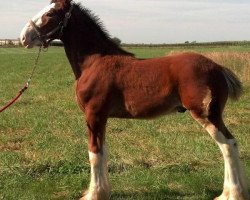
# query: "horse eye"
[[50, 14]]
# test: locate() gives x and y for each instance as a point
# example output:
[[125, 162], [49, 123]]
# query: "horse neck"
[[83, 40]]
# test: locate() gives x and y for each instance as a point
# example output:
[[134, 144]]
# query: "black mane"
[[92, 23], [94, 19]]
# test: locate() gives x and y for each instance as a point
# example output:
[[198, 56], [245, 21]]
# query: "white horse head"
[[45, 25]]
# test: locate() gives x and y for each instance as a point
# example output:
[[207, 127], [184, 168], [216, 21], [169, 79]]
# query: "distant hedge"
[[186, 44], [192, 44]]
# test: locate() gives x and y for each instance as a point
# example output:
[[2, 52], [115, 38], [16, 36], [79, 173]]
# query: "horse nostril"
[[23, 38]]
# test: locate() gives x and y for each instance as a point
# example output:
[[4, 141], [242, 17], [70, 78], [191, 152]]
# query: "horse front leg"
[[99, 188]]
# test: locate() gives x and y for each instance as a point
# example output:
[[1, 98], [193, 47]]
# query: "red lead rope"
[[26, 85], [15, 99]]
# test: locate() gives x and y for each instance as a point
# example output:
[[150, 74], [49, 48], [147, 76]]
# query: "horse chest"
[[91, 91]]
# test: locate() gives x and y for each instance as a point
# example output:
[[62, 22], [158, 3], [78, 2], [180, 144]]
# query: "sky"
[[148, 21]]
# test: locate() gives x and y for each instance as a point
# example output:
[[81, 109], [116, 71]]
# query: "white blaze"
[[38, 17], [27, 36]]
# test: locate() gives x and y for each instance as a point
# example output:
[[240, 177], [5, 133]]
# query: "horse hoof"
[[231, 197], [100, 195], [221, 198]]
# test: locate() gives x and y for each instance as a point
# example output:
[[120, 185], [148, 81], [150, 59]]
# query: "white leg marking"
[[235, 183], [237, 177], [99, 188]]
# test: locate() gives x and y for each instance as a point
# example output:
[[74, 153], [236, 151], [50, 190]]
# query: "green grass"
[[43, 139]]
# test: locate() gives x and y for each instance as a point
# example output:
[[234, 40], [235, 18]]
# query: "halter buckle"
[[68, 15]]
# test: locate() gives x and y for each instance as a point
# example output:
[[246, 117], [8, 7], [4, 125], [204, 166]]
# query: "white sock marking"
[[99, 182], [235, 180]]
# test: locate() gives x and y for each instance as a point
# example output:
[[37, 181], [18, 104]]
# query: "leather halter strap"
[[45, 38]]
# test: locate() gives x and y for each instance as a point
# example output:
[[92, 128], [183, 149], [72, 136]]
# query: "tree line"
[[16, 43]]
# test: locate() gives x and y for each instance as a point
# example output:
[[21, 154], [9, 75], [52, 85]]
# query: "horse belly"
[[149, 106], [147, 89]]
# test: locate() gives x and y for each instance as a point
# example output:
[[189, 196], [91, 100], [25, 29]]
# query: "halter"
[[45, 38]]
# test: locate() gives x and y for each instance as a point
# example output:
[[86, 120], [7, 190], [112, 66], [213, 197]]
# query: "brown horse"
[[111, 82]]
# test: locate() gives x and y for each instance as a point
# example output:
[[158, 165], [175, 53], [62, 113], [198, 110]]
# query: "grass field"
[[43, 140]]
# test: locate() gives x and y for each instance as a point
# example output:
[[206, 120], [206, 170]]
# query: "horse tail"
[[233, 83]]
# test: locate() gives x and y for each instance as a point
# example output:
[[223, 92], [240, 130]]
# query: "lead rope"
[[26, 86]]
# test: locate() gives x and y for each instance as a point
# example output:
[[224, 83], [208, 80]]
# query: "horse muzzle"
[[28, 37]]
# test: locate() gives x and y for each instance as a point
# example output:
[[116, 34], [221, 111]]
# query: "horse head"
[[47, 25]]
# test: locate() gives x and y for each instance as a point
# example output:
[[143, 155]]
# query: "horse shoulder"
[[94, 84]]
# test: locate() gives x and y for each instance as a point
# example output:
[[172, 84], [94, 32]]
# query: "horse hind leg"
[[235, 181]]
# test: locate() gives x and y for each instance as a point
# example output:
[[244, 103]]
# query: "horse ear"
[[67, 1], [61, 1]]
